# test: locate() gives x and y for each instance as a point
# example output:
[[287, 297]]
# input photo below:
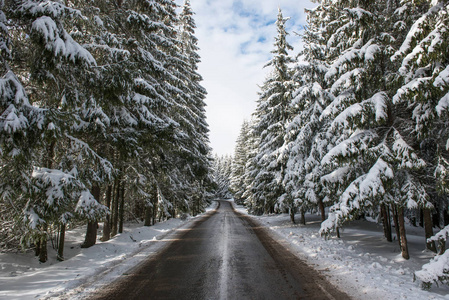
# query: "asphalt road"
[[224, 255]]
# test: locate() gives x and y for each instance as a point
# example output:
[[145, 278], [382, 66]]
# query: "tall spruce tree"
[[248, 193], [222, 169], [239, 161], [373, 162], [55, 69], [272, 115], [190, 112], [424, 66], [304, 139], [18, 123]]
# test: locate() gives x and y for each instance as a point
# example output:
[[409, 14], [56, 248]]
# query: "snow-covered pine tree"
[[55, 69], [17, 123], [252, 142], [373, 162], [150, 23], [272, 115], [108, 85], [189, 112], [222, 169], [424, 67], [239, 161], [304, 133], [144, 32]]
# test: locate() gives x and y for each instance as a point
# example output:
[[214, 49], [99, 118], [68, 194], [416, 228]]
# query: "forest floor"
[[362, 263]]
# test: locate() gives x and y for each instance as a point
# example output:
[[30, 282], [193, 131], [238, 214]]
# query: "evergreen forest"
[[102, 119], [355, 124]]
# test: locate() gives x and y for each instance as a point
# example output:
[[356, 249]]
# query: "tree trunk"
[[154, 202], [91, 233], [107, 223], [43, 256], [155, 209], [122, 208], [60, 256], [148, 214], [292, 214], [322, 210], [427, 216], [115, 205], [396, 224], [421, 218], [442, 212], [442, 245], [386, 222], [404, 246], [303, 216], [37, 248], [338, 232]]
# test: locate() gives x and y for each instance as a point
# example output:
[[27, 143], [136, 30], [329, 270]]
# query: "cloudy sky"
[[235, 38]]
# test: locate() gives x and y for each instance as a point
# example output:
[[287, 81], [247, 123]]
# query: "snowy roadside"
[[362, 263], [84, 270]]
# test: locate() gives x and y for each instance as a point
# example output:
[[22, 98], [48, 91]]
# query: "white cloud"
[[235, 40]]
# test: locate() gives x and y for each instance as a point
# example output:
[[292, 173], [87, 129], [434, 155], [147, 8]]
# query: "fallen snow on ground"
[[23, 277], [361, 263]]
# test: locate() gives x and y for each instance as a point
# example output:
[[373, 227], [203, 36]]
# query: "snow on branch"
[[437, 270], [32, 218], [405, 155], [55, 183], [372, 185], [415, 195], [443, 234], [12, 89], [49, 8], [443, 104], [332, 222], [441, 174], [357, 143], [348, 80], [163, 203], [89, 208], [81, 151], [58, 196], [59, 42], [417, 30], [366, 53], [358, 12], [359, 194], [149, 24], [414, 86], [442, 79], [337, 105], [337, 176], [377, 104], [12, 121]]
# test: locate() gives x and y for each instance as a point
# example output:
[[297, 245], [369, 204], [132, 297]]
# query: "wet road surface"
[[224, 255]]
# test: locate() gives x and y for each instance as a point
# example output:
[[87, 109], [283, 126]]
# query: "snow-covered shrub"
[[437, 270]]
